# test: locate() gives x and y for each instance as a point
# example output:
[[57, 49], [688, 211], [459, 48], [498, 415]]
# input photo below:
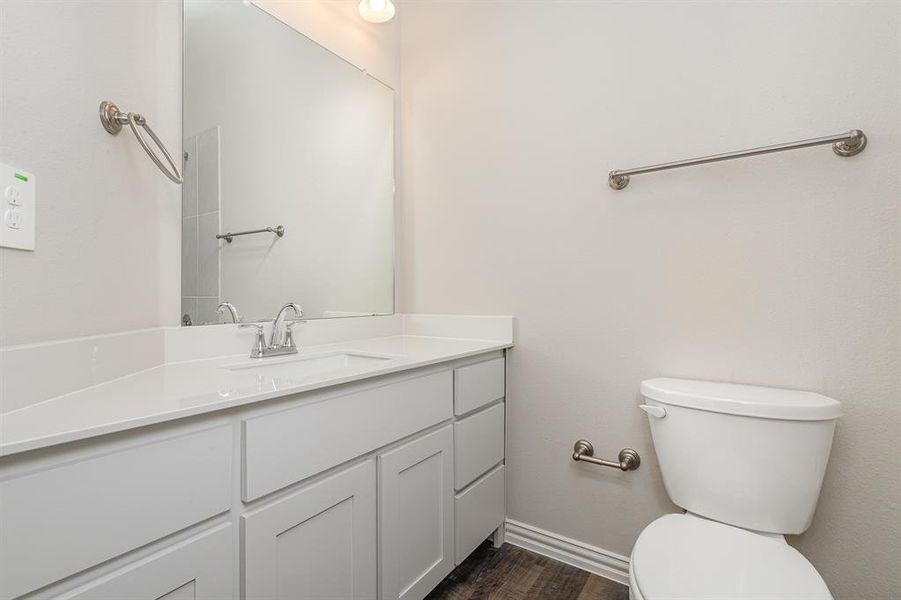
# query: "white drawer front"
[[478, 444], [59, 521], [479, 511], [201, 568], [289, 446], [477, 385]]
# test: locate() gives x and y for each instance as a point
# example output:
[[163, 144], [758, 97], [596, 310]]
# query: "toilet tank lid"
[[748, 400]]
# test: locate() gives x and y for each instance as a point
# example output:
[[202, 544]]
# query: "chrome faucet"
[[228, 306], [282, 339], [281, 331]]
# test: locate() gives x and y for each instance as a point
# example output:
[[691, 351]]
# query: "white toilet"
[[746, 463]]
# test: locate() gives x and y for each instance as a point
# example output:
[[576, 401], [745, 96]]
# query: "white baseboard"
[[572, 552]]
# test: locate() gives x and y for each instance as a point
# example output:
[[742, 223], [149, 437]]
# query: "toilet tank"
[[749, 456]]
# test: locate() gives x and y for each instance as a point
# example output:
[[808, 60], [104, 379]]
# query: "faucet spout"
[[279, 330], [228, 306]]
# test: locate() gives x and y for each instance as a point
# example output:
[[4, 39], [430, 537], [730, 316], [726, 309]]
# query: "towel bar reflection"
[[843, 144], [628, 459], [113, 119], [278, 230]]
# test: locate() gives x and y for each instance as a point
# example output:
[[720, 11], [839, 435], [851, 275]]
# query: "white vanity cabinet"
[[283, 447], [201, 568], [316, 543], [416, 515], [372, 490], [65, 510]]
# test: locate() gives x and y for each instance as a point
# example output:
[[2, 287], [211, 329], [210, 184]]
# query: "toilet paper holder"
[[628, 458]]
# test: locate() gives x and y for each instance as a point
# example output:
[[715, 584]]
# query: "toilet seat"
[[681, 557]]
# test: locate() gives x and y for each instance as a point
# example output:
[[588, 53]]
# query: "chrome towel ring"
[[113, 119]]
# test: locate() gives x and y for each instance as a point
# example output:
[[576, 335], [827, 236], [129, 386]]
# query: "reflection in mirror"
[[281, 133]]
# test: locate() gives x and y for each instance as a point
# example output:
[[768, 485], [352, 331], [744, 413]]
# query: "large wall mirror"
[[283, 136]]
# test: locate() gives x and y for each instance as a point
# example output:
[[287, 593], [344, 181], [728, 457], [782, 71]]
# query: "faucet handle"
[[260, 343], [289, 332]]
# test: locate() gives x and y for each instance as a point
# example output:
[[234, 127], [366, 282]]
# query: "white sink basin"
[[294, 367]]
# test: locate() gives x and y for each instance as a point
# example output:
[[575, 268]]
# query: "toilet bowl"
[[688, 557], [746, 463]]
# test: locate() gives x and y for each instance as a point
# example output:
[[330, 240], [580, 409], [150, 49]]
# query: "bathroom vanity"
[[361, 469], [178, 463]]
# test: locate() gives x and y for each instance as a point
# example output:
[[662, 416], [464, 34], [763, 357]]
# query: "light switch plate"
[[17, 211]]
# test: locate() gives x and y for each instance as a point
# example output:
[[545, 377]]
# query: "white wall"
[[107, 220], [780, 270]]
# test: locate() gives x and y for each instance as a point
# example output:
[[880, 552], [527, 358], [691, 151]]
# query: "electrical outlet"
[[17, 199]]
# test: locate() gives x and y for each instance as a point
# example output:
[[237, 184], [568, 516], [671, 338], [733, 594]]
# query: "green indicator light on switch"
[[22, 177]]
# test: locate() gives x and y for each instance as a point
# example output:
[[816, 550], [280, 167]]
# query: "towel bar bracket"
[[618, 182], [851, 146]]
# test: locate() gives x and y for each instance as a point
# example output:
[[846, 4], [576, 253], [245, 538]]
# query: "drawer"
[[478, 444], [200, 568], [477, 385], [479, 510], [62, 520], [289, 446]]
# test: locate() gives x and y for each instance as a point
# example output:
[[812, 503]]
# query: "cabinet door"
[[317, 543], [83, 509], [200, 568], [416, 516]]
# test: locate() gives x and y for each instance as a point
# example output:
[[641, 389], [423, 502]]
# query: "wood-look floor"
[[511, 573]]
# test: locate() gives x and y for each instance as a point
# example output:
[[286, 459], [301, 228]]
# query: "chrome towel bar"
[[113, 119], [278, 230], [843, 144], [628, 458]]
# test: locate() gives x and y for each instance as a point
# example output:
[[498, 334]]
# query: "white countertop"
[[182, 389]]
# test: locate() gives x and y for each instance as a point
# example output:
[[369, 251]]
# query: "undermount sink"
[[299, 366]]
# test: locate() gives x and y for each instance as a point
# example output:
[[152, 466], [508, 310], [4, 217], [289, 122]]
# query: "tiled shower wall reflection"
[[199, 226]]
